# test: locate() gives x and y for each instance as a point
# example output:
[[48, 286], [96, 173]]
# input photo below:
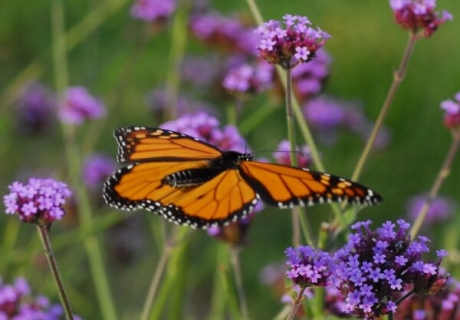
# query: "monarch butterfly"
[[191, 182]]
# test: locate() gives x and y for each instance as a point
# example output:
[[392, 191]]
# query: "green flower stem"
[[290, 118], [178, 43], [397, 79], [258, 116], [306, 226], [319, 303], [10, 238], [305, 130], [73, 155], [219, 295], [43, 232], [255, 12], [73, 37], [159, 270], [58, 46], [323, 235], [442, 175], [297, 303], [235, 262], [293, 154], [231, 110], [92, 245]]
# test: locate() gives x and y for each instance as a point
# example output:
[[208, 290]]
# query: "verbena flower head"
[[325, 113], [440, 306], [308, 266], [308, 78], [374, 267], [96, 170], [78, 105], [225, 33], [16, 302], [452, 112], [40, 201], [201, 72], [295, 42], [419, 15], [283, 154], [441, 208], [249, 79], [35, 108], [153, 10], [205, 127]]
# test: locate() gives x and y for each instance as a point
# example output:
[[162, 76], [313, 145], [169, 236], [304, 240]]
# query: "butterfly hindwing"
[[223, 199], [286, 186]]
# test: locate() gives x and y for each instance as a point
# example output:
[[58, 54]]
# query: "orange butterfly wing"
[[286, 186], [158, 153], [140, 144], [222, 199], [213, 188]]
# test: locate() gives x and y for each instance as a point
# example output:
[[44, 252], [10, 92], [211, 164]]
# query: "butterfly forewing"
[[140, 144], [286, 186]]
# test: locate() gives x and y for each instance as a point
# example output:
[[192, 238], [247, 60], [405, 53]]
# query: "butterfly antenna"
[[298, 152]]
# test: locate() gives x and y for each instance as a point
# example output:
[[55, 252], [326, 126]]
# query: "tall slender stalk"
[[442, 175], [73, 37], [159, 270], [235, 262], [293, 155], [297, 303], [178, 42], [397, 79], [73, 155], [43, 232]]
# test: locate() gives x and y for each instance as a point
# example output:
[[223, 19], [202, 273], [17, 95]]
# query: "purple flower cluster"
[[226, 33], [40, 201], [308, 78], [283, 154], [16, 302], [297, 43], [249, 79], [444, 305], [96, 170], [374, 267], [36, 107], [200, 72], [441, 208], [415, 15], [308, 267], [452, 112], [205, 127], [78, 105], [153, 10]]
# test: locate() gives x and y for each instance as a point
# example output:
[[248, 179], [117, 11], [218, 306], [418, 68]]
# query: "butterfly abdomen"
[[191, 177]]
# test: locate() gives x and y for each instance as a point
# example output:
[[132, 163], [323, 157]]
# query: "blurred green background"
[[120, 59]]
